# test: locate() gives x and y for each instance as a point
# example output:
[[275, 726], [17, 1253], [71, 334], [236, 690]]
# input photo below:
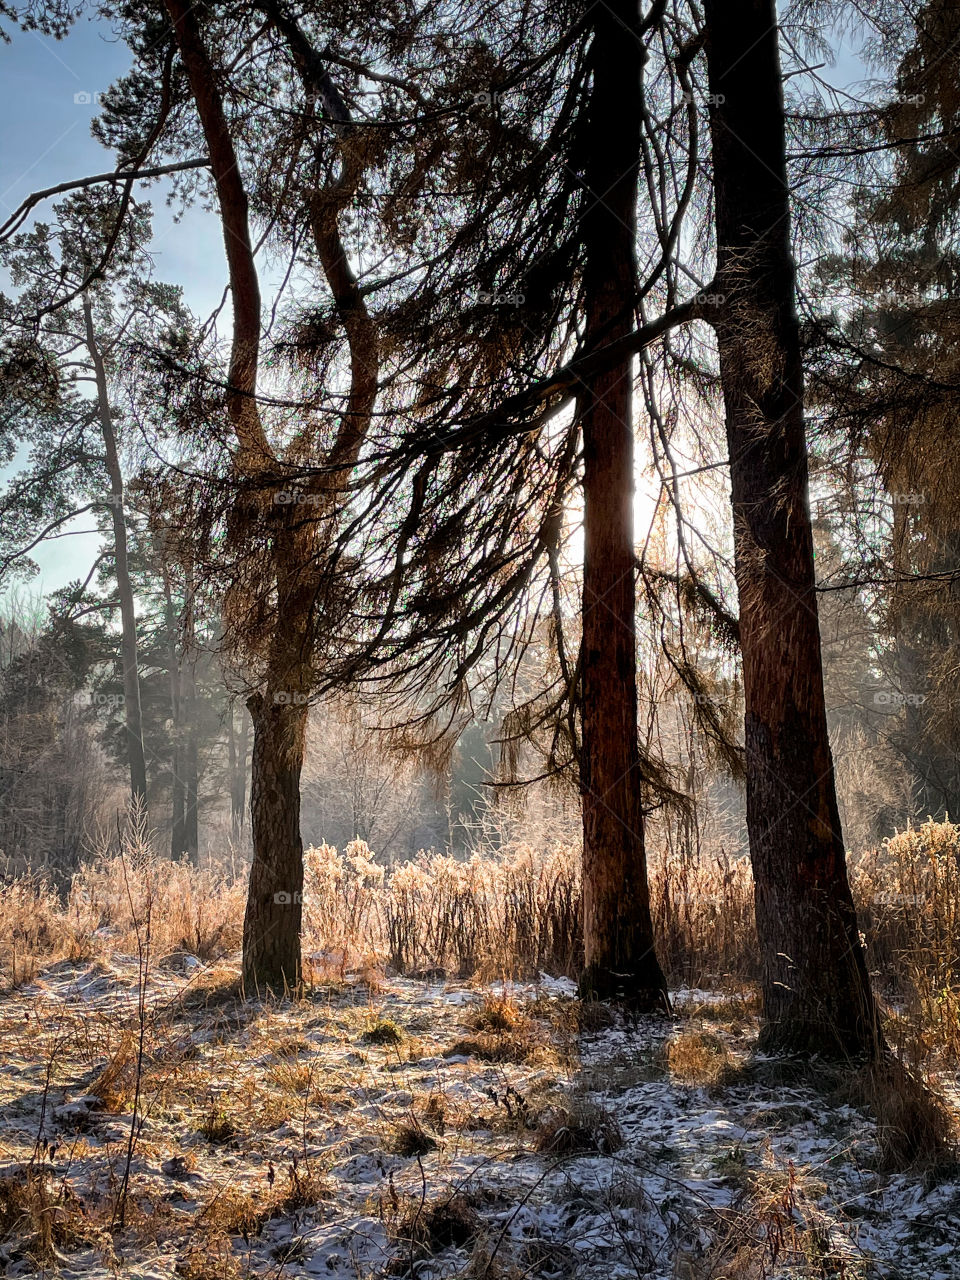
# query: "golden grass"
[[211, 1258], [915, 1128], [698, 1057], [42, 1218], [244, 1212], [497, 1013], [503, 915]]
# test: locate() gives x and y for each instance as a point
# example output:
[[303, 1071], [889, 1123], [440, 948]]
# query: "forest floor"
[[396, 1127]]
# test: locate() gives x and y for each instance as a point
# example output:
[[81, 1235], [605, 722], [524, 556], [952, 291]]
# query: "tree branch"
[[17, 218]]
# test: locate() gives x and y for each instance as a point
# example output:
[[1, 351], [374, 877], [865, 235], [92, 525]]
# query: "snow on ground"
[[430, 1130]]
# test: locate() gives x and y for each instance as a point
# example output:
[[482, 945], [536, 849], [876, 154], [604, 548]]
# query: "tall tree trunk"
[[191, 807], [271, 949], [128, 619], [271, 924], [237, 747], [816, 990], [182, 663], [191, 734], [175, 674], [620, 961], [274, 912]]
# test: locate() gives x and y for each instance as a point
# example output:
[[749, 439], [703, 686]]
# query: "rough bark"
[[175, 680], [237, 748], [620, 960], [274, 912], [271, 932], [191, 737], [816, 990], [133, 719]]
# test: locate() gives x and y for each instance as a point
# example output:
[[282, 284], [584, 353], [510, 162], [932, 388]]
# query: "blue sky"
[[46, 139], [48, 94]]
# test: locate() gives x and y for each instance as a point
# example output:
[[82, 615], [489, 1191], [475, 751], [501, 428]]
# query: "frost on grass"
[[403, 1128]]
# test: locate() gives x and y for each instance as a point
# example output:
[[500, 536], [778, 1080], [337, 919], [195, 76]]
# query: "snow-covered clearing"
[[405, 1128]]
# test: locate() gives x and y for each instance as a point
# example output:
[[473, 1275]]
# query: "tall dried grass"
[[195, 910], [510, 913]]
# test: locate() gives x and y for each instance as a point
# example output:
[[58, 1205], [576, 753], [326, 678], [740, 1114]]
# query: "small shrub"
[[577, 1128], [492, 1048], [498, 1014], [383, 1032], [439, 1224], [291, 1076], [217, 1127], [409, 1138], [699, 1057]]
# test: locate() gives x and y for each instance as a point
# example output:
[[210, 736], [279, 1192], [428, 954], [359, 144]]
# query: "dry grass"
[[239, 1212], [498, 1014], [915, 1129], [772, 1228], [699, 1057], [38, 1220], [193, 910], [909, 891], [115, 1084], [211, 1258], [503, 915], [576, 1127], [492, 1047]]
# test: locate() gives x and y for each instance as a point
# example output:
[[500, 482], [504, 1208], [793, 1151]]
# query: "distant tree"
[[64, 378], [54, 783], [887, 364]]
